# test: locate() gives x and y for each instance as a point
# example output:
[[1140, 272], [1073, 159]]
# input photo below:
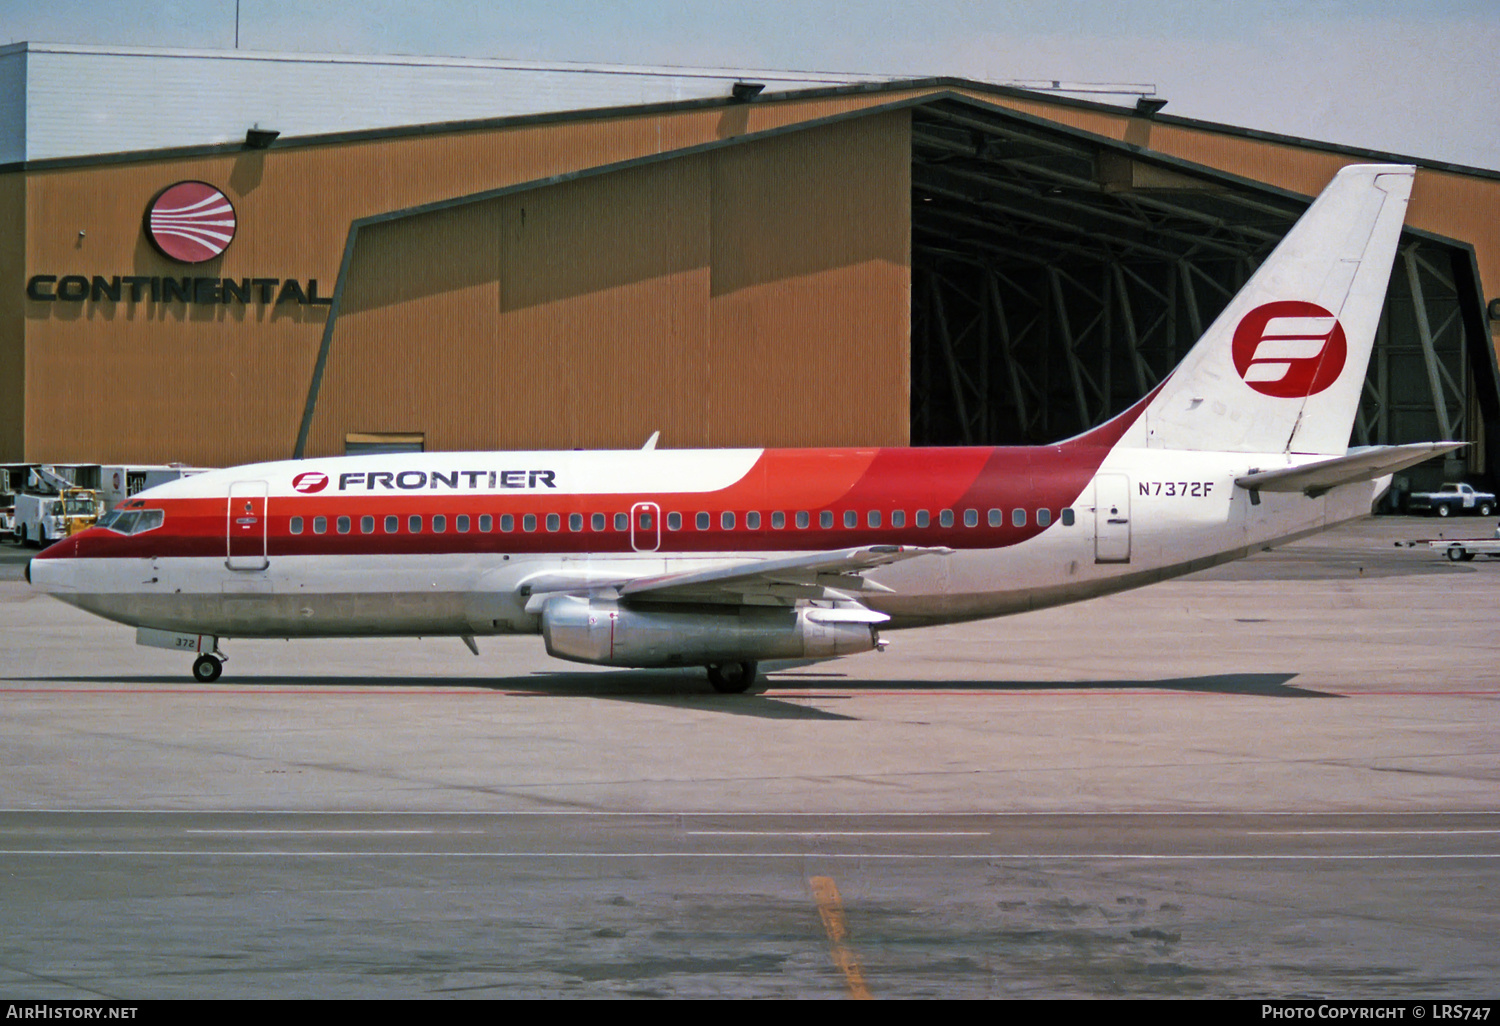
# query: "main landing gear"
[[731, 678], [206, 668]]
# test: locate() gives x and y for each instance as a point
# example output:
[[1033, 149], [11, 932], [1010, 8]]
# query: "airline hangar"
[[531, 257]]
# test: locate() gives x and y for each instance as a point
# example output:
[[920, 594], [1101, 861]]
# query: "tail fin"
[[1282, 367]]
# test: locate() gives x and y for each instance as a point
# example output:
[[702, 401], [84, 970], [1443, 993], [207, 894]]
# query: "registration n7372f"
[[725, 558]]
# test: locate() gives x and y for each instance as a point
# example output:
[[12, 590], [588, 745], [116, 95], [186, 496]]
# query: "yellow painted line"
[[831, 909]]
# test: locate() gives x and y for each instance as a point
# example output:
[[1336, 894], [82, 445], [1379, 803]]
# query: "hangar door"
[[1057, 277]]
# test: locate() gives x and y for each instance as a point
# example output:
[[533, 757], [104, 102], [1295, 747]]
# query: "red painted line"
[[272, 689]]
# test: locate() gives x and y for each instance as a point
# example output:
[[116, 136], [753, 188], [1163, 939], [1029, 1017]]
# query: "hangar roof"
[[126, 95]]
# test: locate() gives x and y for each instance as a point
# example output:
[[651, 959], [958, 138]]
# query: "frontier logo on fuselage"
[[472, 480], [310, 482], [1289, 349]]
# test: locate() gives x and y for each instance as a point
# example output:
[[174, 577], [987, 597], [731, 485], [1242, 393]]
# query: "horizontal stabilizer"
[[1366, 464]]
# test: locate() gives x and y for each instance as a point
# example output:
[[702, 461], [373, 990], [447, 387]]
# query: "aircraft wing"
[[804, 576], [833, 574], [1313, 479]]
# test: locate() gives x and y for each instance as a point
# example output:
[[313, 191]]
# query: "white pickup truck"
[[1452, 498]]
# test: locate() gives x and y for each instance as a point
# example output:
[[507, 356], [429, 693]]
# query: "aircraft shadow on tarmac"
[[688, 688]]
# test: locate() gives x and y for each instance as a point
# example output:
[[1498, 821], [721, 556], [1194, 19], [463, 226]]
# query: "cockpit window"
[[134, 522]]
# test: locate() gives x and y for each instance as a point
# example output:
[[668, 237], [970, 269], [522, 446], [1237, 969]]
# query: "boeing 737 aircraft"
[[726, 558]]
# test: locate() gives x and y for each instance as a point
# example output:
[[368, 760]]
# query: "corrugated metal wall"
[[158, 382], [723, 298], [12, 318]]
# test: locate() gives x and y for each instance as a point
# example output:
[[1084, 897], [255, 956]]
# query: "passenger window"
[[295, 526], [1043, 517], [622, 522], [726, 520], [945, 518], [898, 518], [1067, 517], [320, 525], [344, 524], [922, 519], [486, 523], [575, 521], [825, 519], [752, 521], [439, 524], [997, 518], [413, 525], [553, 521], [873, 518], [597, 521], [674, 521], [701, 521], [366, 525], [778, 520], [528, 522], [392, 524], [507, 522], [1018, 517], [461, 523], [645, 520], [851, 518], [971, 518]]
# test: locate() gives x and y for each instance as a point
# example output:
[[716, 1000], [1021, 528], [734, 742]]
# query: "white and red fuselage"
[[444, 543], [725, 557]]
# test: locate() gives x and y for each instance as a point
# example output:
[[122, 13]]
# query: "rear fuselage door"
[[245, 526], [1111, 518]]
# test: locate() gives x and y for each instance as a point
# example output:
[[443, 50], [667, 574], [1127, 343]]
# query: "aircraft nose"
[[49, 569]]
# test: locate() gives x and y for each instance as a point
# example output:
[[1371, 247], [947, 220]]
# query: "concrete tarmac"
[[1273, 779]]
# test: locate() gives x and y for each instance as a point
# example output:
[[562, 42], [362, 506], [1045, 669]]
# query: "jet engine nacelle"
[[605, 632]]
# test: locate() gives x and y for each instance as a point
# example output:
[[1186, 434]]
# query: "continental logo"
[[139, 288], [456, 480], [190, 222]]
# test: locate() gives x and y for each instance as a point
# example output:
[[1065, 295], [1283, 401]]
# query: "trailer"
[[1461, 550]]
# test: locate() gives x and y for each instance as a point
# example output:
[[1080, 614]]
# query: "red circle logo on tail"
[[312, 481], [1289, 349], [190, 222]]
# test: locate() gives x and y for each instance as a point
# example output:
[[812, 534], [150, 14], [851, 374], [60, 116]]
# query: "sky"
[[1418, 78]]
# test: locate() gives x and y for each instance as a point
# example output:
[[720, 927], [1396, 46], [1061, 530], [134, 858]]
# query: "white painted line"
[[1011, 856], [769, 814], [1319, 833], [235, 831], [838, 833]]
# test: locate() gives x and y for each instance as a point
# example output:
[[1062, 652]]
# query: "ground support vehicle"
[[44, 519], [1452, 499], [1460, 550]]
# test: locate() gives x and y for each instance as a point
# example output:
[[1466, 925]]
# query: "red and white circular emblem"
[[190, 222], [1289, 349], [309, 482]]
